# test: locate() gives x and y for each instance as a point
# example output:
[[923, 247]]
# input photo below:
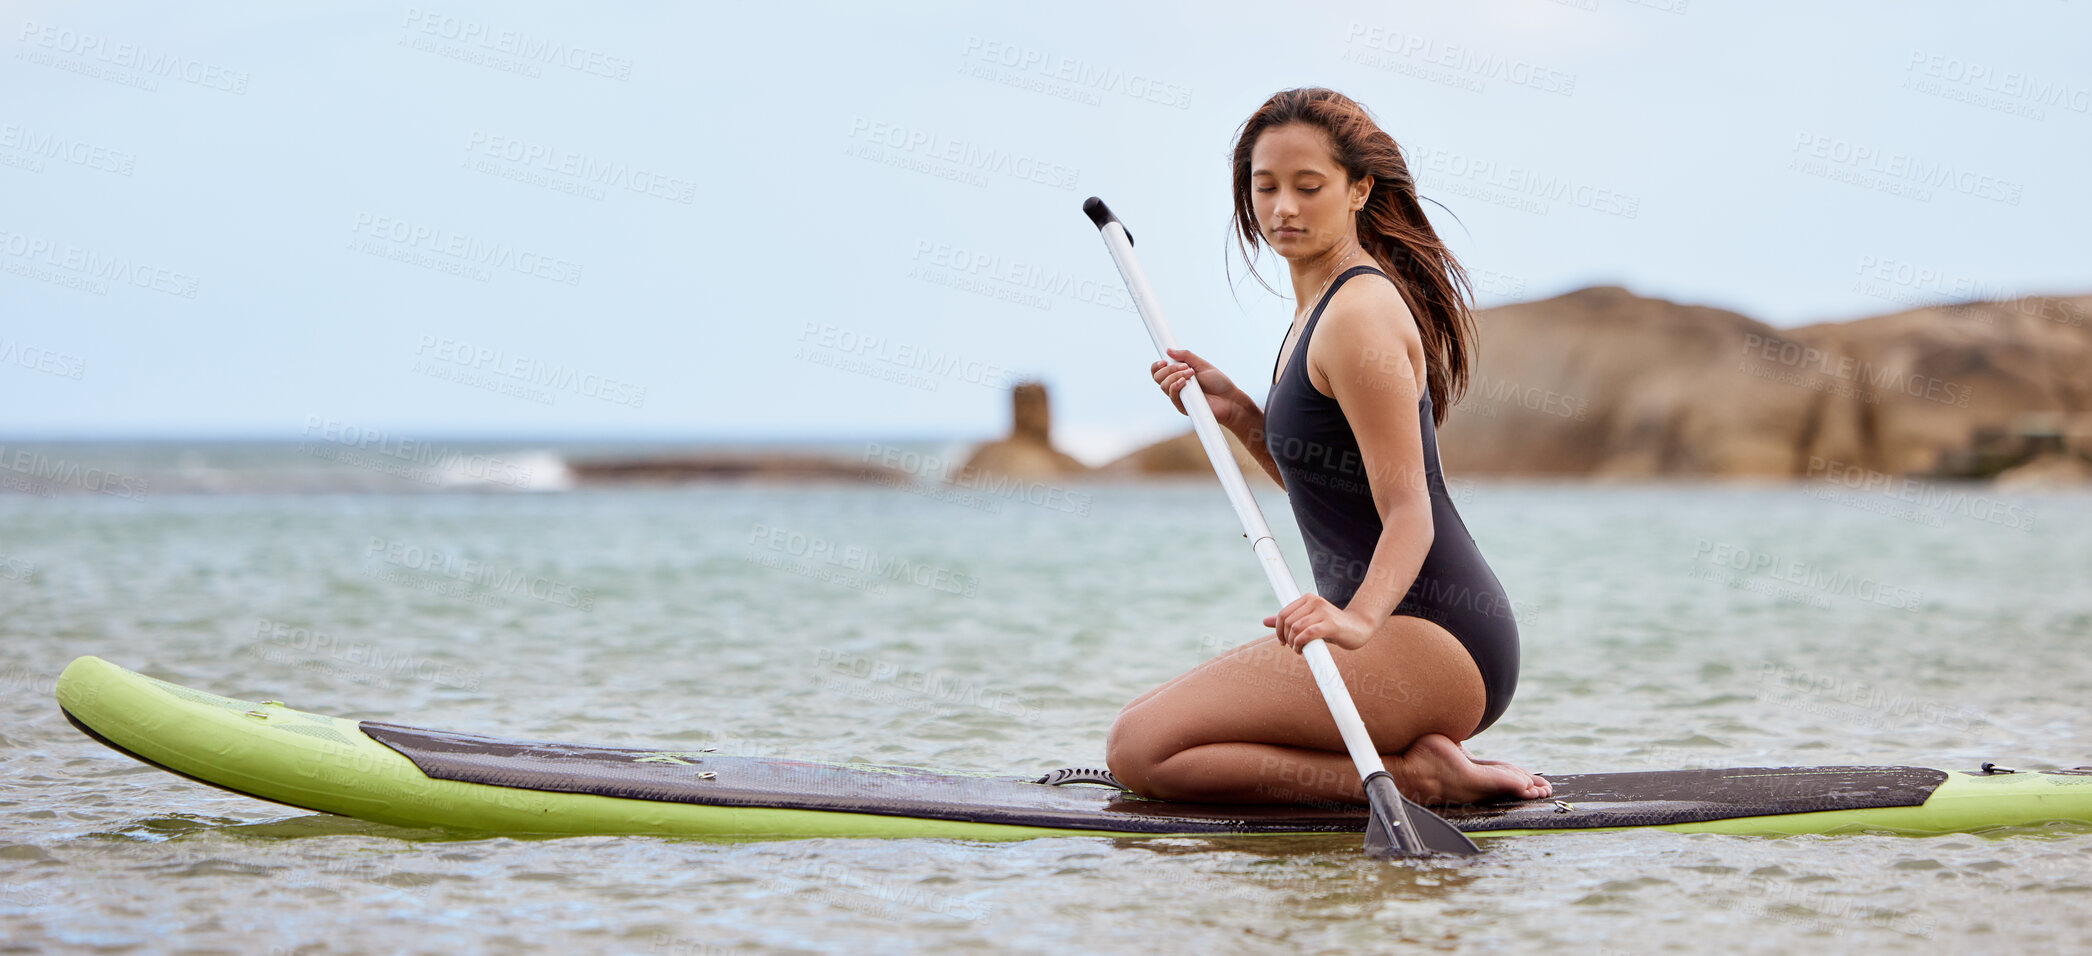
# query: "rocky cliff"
[[1604, 383]]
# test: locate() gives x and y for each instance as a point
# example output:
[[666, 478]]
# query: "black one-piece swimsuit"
[[1317, 454]]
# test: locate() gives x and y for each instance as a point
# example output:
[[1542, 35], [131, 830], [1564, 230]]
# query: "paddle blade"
[[1397, 828]]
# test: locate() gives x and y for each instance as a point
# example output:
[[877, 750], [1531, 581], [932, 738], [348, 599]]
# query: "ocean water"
[[1664, 626]]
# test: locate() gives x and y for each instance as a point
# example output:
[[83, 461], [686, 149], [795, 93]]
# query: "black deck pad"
[[1592, 800]]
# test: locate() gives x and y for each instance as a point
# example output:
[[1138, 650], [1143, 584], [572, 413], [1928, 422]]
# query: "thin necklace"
[[1333, 270], [1318, 294]]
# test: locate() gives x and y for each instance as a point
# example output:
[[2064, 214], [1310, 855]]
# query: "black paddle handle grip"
[[1100, 214]]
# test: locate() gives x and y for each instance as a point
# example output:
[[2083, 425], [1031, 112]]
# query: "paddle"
[[1396, 826]]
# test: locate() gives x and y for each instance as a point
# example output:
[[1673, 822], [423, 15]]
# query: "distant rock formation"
[[1604, 383], [1028, 452], [1601, 382], [1949, 376], [2051, 470], [1182, 455], [2048, 439], [729, 466]]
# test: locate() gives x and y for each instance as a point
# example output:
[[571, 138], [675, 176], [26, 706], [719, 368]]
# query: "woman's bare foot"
[[1537, 779], [1437, 770]]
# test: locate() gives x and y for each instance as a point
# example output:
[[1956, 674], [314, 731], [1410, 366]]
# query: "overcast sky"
[[811, 221]]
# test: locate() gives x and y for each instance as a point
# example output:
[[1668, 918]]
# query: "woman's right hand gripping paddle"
[[1232, 408]]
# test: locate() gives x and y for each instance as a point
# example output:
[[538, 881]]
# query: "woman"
[[1415, 619]]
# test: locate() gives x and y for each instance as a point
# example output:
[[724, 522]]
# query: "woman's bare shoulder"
[[1368, 322]]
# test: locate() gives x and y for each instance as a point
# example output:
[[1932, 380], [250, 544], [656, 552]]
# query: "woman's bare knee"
[[1130, 754]]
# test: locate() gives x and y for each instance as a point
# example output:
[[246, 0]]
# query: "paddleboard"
[[415, 777]]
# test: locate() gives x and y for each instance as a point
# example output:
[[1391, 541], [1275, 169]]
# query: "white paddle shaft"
[[1319, 662]]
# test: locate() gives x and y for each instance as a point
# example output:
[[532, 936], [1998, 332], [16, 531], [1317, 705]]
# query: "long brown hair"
[[1391, 227]]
